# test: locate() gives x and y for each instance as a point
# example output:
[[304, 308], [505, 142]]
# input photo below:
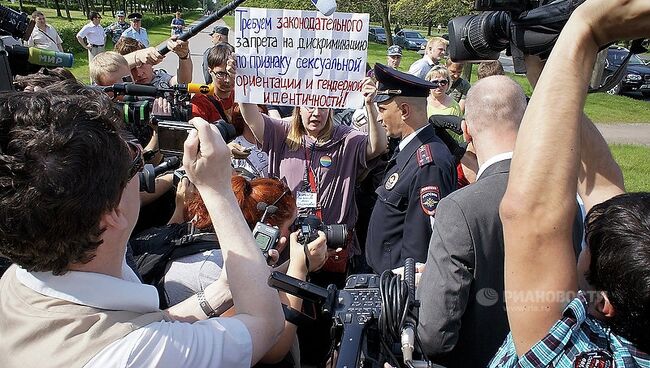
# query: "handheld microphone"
[[172, 163], [149, 173], [43, 57], [327, 7], [204, 89]]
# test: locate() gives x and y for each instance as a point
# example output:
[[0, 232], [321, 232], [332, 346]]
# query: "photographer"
[[192, 272], [557, 150], [69, 193]]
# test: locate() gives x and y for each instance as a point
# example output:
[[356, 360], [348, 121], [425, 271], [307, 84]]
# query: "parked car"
[[377, 34], [410, 40], [637, 75]]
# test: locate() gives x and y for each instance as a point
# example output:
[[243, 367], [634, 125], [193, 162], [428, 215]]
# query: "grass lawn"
[[635, 165]]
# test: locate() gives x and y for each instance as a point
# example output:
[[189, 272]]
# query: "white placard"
[[300, 58]]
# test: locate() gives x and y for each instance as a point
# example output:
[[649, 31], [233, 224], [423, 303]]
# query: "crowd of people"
[[100, 273]]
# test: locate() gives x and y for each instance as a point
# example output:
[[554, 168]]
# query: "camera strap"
[[610, 82], [309, 179], [217, 105]]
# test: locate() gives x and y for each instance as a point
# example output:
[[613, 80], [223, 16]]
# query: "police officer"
[[116, 29], [418, 175]]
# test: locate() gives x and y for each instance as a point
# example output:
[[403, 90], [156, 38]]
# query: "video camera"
[[172, 129], [374, 318], [309, 225], [528, 27]]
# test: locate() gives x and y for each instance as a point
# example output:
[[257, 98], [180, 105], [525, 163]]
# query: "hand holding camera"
[[206, 157], [308, 257]]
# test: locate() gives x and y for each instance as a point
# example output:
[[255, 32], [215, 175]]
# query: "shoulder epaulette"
[[424, 155]]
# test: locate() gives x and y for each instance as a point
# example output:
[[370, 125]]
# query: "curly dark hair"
[[63, 164], [618, 235]]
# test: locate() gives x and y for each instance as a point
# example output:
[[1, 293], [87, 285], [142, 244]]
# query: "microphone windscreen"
[[327, 7], [261, 206], [204, 89], [50, 58]]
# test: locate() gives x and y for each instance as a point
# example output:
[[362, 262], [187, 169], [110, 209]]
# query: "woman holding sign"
[[321, 163]]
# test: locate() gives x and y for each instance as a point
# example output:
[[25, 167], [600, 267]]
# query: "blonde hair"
[[440, 71], [297, 130], [106, 63], [434, 40]]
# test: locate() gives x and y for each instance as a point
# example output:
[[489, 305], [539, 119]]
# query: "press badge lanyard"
[[309, 199]]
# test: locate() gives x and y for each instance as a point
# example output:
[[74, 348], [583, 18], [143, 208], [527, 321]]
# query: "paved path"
[[198, 44], [613, 133]]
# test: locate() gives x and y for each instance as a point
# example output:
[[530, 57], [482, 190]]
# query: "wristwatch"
[[205, 306]]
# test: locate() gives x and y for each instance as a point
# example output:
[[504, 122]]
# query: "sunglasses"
[[138, 160], [441, 82]]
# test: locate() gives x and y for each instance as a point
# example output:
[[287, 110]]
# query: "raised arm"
[[377, 140], [251, 114], [208, 166], [539, 203], [184, 72]]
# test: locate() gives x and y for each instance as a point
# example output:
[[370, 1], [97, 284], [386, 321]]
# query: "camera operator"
[[143, 73], [557, 150], [69, 193]]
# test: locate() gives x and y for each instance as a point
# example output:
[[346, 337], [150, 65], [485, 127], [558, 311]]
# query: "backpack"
[[155, 248]]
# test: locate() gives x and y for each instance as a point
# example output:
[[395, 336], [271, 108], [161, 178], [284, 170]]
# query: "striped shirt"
[[574, 339]]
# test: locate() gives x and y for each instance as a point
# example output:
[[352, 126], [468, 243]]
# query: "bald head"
[[495, 104]]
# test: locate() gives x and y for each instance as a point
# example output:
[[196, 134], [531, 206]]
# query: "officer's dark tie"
[[392, 161]]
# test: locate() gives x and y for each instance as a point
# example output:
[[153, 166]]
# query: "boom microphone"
[[327, 7]]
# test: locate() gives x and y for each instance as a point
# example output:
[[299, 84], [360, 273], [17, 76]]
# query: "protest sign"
[[300, 58]]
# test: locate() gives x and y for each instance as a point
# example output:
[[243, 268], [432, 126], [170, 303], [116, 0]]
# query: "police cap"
[[395, 83], [135, 16], [220, 30]]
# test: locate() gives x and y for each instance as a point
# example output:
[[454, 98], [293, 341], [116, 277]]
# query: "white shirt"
[[217, 342], [41, 40], [421, 67], [409, 138], [493, 160], [94, 34]]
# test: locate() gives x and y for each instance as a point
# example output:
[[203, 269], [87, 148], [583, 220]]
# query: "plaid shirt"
[[575, 334]]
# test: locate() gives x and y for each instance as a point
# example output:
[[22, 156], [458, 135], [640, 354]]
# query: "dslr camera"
[[527, 27], [309, 225]]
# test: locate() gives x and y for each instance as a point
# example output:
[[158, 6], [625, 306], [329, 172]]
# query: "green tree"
[[430, 12]]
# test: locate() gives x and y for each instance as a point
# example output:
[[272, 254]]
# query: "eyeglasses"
[[220, 75], [138, 161], [440, 82]]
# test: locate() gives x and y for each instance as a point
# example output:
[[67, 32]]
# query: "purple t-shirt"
[[336, 165]]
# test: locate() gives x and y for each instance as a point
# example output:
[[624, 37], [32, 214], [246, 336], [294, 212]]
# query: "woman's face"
[[314, 119], [443, 85]]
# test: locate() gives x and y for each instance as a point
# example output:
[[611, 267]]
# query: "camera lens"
[[336, 235]]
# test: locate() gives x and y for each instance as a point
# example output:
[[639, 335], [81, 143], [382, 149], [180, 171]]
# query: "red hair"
[[249, 194]]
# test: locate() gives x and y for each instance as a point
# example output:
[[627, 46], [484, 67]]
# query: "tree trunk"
[[385, 19], [429, 26], [467, 72], [58, 9], [20, 3], [67, 10], [103, 3]]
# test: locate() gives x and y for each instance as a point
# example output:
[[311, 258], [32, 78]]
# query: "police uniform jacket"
[[400, 226]]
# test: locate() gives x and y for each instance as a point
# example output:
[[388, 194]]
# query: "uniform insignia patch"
[[392, 180], [424, 155], [429, 198]]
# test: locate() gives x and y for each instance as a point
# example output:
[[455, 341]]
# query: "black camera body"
[[528, 27], [309, 225], [172, 135]]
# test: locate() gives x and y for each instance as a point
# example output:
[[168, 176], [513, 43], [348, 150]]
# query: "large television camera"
[[137, 110], [374, 317], [528, 27]]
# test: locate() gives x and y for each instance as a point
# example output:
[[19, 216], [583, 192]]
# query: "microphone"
[[43, 57], [327, 7], [172, 163], [204, 89], [133, 89], [149, 173]]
